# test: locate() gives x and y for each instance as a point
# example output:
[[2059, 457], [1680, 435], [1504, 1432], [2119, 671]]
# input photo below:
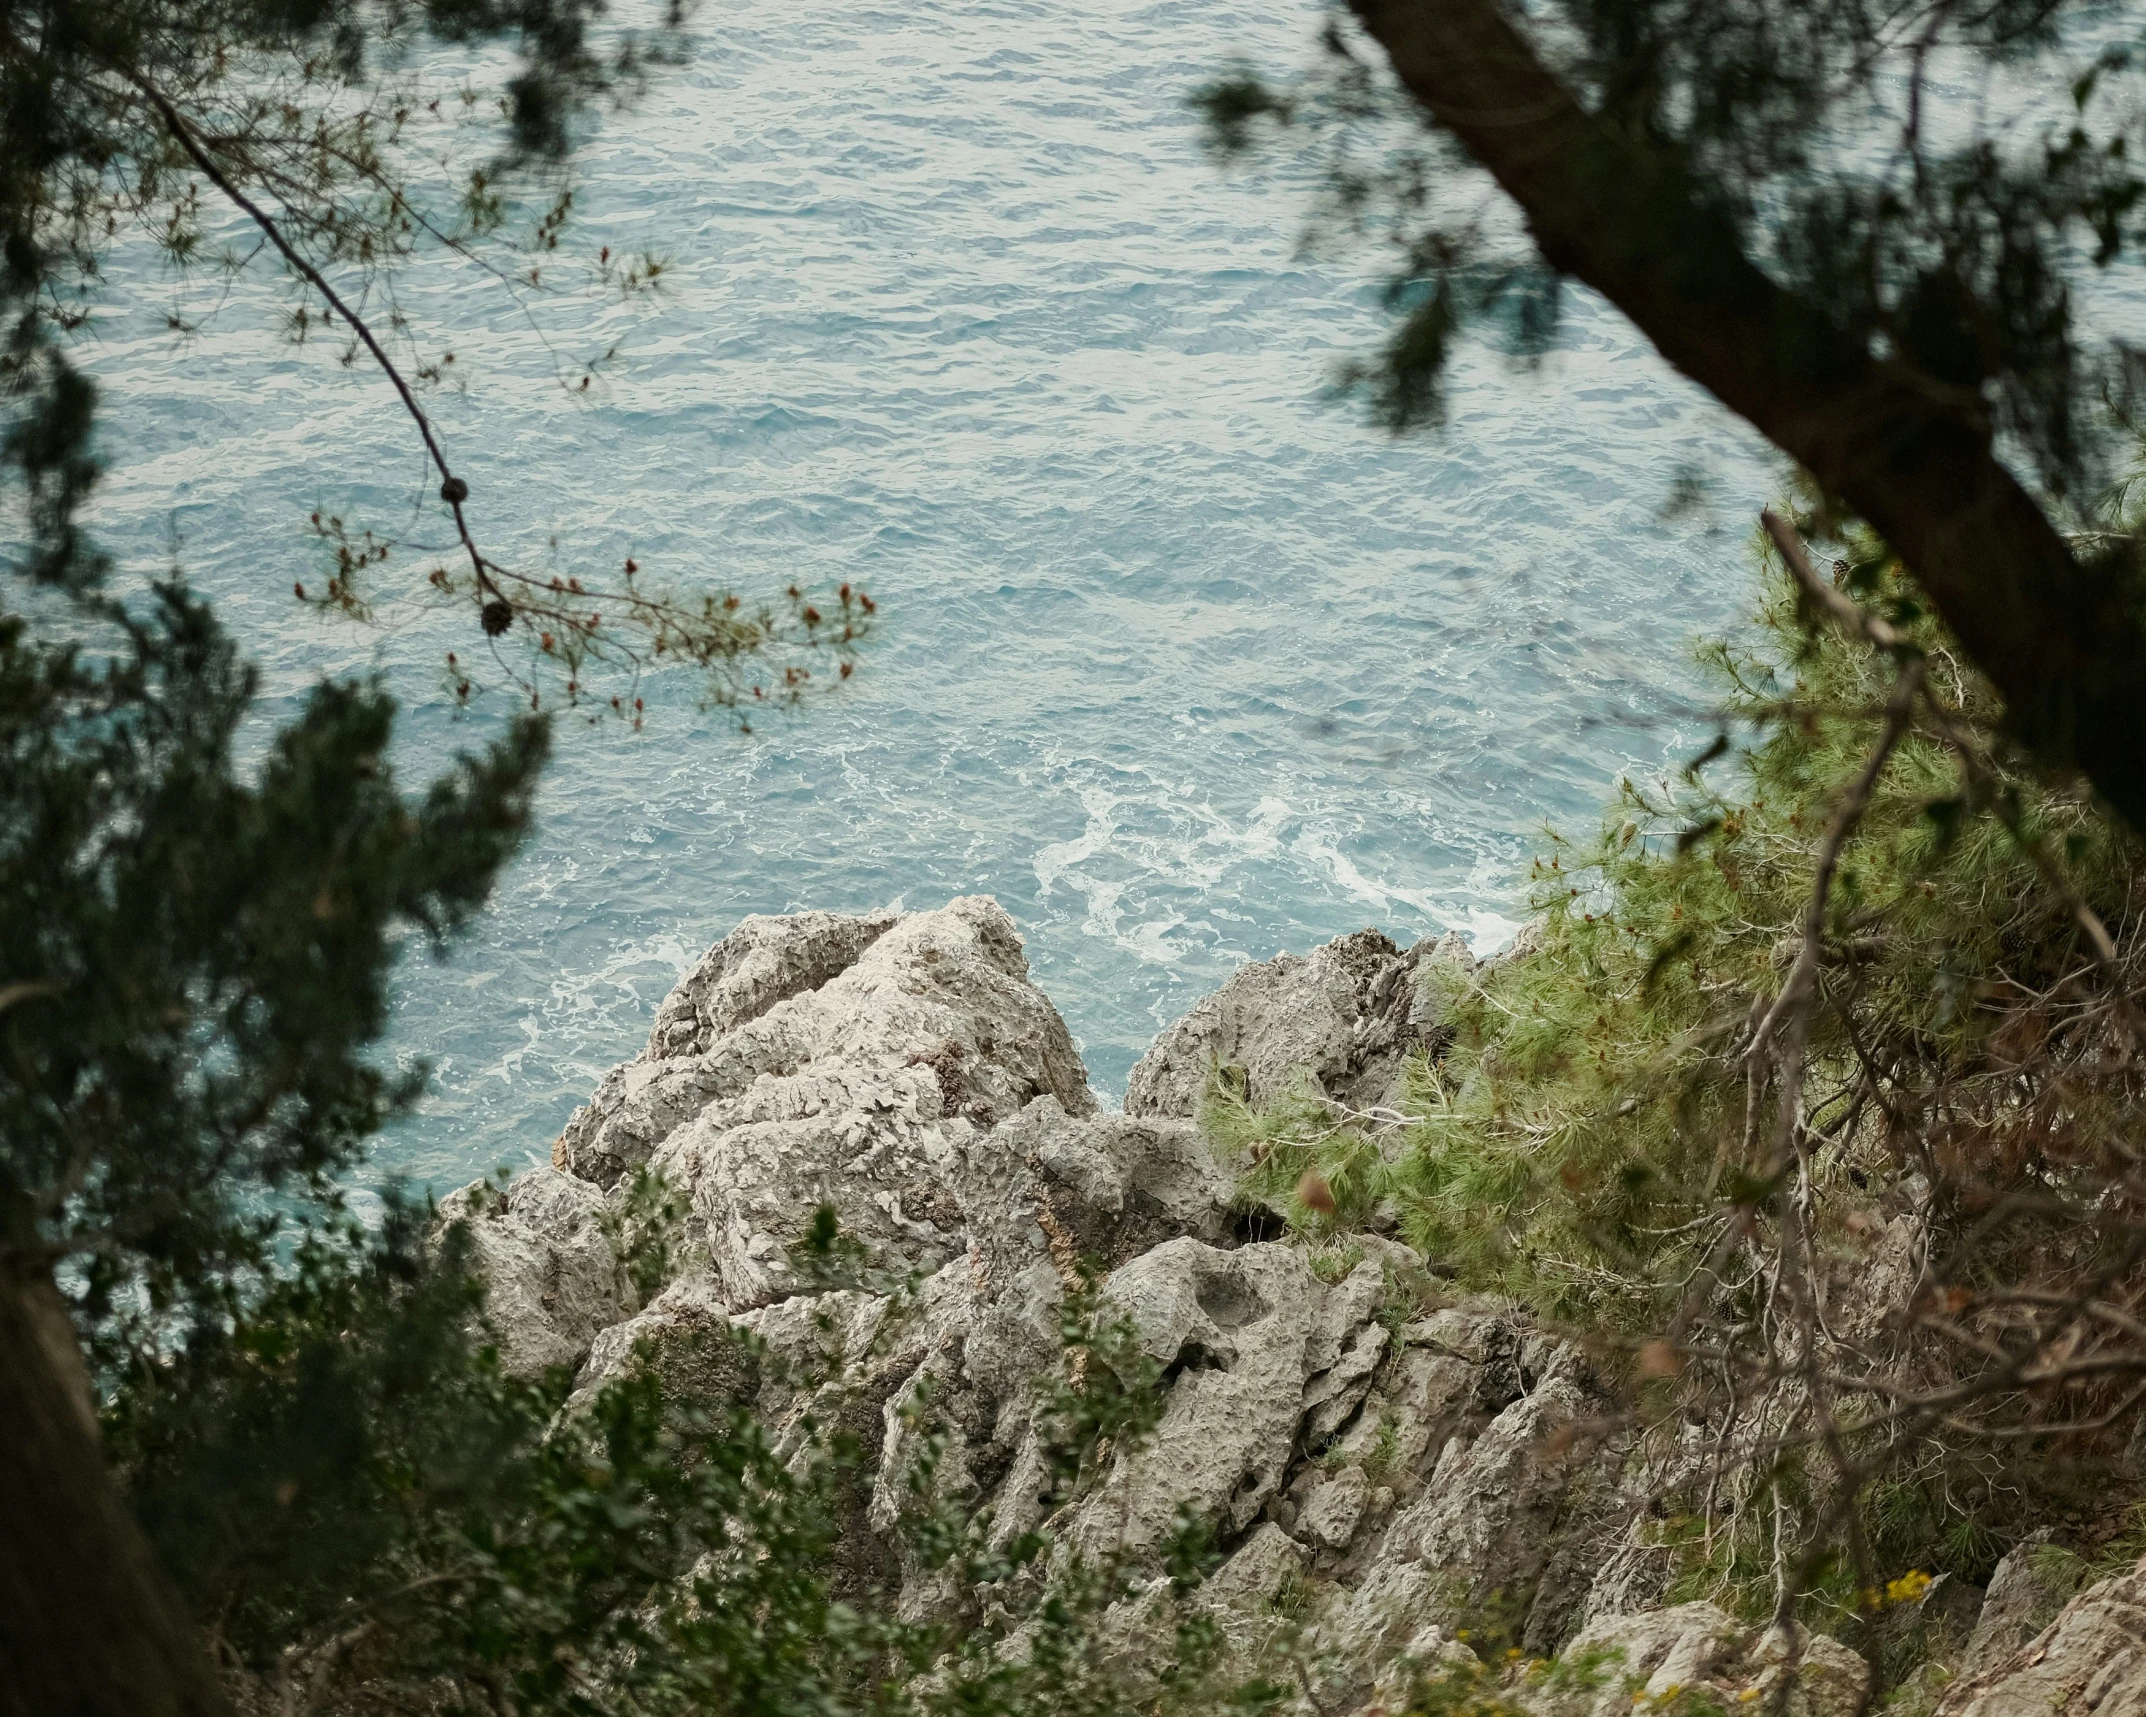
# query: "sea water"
[[1180, 661]]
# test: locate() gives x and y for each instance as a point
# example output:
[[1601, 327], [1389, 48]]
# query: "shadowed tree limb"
[[453, 490], [88, 1621], [1609, 206]]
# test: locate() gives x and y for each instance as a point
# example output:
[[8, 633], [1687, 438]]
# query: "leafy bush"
[[1807, 1098], [1593, 1125]]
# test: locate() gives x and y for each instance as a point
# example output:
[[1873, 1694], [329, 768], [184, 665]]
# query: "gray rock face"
[[1099, 1188], [1348, 1014], [1696, 1649], [2089, 1662], [1487, 1521], [1404, 1457], [1244, 1588], [684, 1335], [1386, 1461], [2025, 1593], [763, 961], [551, 1279], [926, 1018], [1690, 1657], [838, 1062], [1232, 1331], [905, 1073]]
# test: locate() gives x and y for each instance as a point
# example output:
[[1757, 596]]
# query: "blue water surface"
[[1181, 662]]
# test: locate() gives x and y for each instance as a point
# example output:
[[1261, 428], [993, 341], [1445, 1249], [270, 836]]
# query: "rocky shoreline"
[[1393, 1458]]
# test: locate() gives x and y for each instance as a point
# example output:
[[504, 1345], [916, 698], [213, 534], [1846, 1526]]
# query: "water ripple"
[[1182, 664]]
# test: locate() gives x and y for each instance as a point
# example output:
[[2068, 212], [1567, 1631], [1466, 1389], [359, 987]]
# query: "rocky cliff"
[[1385, 1463]]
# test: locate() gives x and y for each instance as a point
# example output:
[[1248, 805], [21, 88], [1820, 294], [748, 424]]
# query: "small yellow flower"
[[1908, 1588]]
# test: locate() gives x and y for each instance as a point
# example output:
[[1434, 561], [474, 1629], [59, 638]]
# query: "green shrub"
[[1622, 1136]]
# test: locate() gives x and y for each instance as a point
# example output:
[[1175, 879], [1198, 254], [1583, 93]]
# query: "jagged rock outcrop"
[[929, 1017], [1393, 1458], [1241, 1336], [1697, 1651], [1349, 1014], [822, 1060], [2026, 1590], [552, 1278], [2089, 1662]]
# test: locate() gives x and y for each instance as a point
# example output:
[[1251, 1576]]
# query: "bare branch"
[[453, 490]]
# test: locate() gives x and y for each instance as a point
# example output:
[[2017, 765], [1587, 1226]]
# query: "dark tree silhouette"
[[1889, 295]]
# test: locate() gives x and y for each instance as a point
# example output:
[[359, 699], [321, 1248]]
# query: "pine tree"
[[195, 945], [1804, 208]]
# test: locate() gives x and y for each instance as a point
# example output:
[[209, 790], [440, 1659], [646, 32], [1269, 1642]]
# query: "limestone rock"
[[1348, 1014], [777, 1361], [1682, 1647], [1382, 1462], [905, 1073], [763, 961], [1394, 1613], [1101, 1188], [1333, 1396], [1334, 1508], [1258, 1574], [926, 1018], [855, 1090], [1418, 1403], [551, 1279], [755, 1186], [1488, 1520], [1695, 1649], [1429, 1653], [1230, 1331], [686, 1337], [2089, 1662], [2025, 1593]]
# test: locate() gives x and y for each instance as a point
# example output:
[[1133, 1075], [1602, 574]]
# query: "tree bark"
[[2062, 641], [88, 1625]]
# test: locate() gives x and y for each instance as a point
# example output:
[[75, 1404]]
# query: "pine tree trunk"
[[88, 1625], [1607, 204]]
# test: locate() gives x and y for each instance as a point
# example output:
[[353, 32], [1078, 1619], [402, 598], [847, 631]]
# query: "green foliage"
[[1591, 1127], [1509, 1685], [644, 1222], [1600, 1141], [1109, 1397], [1274, 1145], [1738, 1564], [1604, 1139], [1916, 1520], [197, 960], [349, 1488], [1385, 1449]]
